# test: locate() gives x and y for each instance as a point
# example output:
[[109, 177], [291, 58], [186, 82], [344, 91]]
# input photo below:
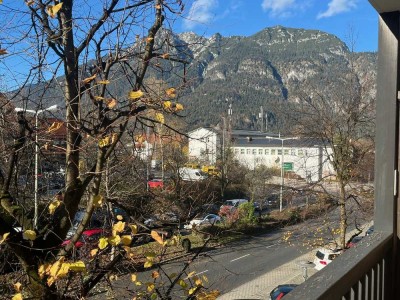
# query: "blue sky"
[[247, 17]]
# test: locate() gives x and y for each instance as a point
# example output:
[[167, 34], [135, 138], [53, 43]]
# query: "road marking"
[[240, 257], [270, 246]]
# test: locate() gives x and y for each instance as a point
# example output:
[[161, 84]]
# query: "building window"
[[293, 152], [248, 151], [273, 151], [266, 151], [286, 151], [300, 152], [279, 151], [260, 151], [254, 151], [241, 151], [236, 151]]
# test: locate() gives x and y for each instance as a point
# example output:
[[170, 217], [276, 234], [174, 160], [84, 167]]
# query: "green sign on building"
[[288, 166]]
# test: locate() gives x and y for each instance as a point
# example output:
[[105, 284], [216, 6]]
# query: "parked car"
[[88, 238], [158, 220], [325, 256], [234, 203], [155, 183], [354, 241], [370, 230], [272, 200], [203, 220], [100, 219], [281, 290]]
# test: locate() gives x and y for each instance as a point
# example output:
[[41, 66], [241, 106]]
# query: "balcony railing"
[[363, 272]]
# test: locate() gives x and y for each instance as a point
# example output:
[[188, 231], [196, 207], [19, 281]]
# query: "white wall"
[[306, 161], [203, 145]]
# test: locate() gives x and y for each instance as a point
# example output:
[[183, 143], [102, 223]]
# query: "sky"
[[343, 18]]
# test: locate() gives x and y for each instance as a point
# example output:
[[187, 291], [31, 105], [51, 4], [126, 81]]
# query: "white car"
[[203, 220], [325, 256]]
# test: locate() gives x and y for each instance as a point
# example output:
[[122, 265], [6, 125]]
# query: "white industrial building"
[[307, 157]]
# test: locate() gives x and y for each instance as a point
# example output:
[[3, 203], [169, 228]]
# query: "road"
[[231, 266], [242, 261]]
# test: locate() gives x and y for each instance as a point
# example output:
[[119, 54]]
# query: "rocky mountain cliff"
[[267, 69]]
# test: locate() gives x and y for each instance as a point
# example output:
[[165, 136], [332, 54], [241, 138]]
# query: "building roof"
[[265, 142]]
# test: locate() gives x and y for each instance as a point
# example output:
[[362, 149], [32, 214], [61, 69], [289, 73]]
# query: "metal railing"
[[363, 272]]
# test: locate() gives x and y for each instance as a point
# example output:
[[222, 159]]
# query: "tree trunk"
[[343, 216]]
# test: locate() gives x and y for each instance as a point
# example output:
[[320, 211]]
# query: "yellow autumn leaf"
[[54, 268], [182, 283], [178, 107], [133, 277], [114, 137], [30, 2], [158, 238], [19, 295], [98, 98], [167, 105], [148, 264], [53, 10], [29, 235], [126, 240], [138, 283], [134, 228], [53, 206], [133, 95], [118, 227], [63, 271], [197, 281], [93, 252], [78, 266], [205, 278], [150, 287], [191, 274], [3, 52], [120, 218], [103, 242], [155, 274], [4, 237], [103, 81], [192, 290], [160, 118], [104, 142], [54, 127], [114, 240], [98, 200], [158, 6], [111, 103], [149, 39], [89, 79], [43, 270], [17, 286], [171, 92]]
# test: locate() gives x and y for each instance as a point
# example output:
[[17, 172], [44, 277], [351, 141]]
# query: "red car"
[[90, 236], [155, 183]]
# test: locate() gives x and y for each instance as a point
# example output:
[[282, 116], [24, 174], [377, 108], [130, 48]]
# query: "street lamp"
[[282, 164], [36, 113]]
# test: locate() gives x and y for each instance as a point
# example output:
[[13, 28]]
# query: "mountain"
[[270, 69], [267, 69]]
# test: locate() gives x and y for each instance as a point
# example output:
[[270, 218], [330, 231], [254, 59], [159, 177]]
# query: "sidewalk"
[[290, 272], [260, 287]]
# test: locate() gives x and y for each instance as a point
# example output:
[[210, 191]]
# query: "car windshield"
[[320, 255]]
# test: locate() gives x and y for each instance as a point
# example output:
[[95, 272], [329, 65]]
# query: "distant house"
[[204, 144], [307, 157]]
